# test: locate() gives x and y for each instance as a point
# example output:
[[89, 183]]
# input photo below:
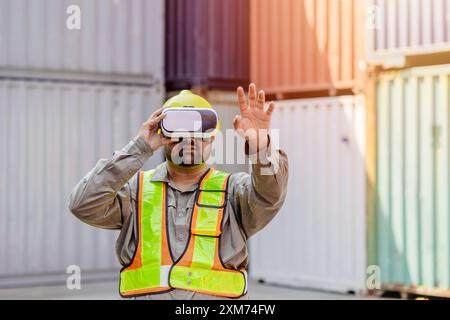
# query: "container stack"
[[409, 209], [207, 44], [68, 97], [362, 90], [369, 154], [307, 48], [309, 55], [207, 51]]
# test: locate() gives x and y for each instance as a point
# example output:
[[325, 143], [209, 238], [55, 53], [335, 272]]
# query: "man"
[[184, 226]]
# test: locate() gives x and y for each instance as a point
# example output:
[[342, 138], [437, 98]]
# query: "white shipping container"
[[51, 135], [318, 240], [400, 28], [115, 37]]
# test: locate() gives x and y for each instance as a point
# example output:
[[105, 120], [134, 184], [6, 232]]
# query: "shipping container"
[[397, 29], [412, 209], [318, 240], [115, 37], [207, 43], [302, 46], [51, 135]]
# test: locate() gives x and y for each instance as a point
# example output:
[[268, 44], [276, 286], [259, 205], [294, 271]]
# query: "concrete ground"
[[108, 291]]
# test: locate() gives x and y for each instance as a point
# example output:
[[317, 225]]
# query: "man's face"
[[189, 152]]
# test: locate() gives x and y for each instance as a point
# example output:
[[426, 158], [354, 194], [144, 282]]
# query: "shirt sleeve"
[[259, 196], [103, 197]]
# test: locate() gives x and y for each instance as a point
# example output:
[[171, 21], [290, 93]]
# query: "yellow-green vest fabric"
[[200, 268]]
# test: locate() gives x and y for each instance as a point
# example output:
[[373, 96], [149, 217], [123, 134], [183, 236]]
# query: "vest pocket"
[[211, 198], [207, 221]]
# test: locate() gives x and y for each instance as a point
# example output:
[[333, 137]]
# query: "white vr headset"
[[189, 122]]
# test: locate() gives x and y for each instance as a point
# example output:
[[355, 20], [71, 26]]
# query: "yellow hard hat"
[[188, 99]]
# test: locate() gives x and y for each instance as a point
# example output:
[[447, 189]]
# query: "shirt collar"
[[161, 175]]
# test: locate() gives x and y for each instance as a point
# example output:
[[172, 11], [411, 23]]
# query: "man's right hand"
[[149, 131]]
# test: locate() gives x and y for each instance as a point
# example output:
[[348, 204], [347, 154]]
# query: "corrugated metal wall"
[[398, 28], [303, 45], [207, 43], [412, 209], [318, 240], [67, 99], [51, 136], [116, 37]]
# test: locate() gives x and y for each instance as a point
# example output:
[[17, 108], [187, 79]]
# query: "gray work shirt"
[[106, 198]]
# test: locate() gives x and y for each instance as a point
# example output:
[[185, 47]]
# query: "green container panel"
[[412, 224]]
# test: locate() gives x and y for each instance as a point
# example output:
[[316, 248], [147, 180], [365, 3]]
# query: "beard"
[[187, 154]]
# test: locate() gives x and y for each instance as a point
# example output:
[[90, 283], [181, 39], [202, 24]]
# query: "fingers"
[[241, 98], [252, 95], [154, 115], [160, 117], [271, 108], [261, 100], [167, 141], [157, 112], [236, 122], [237, 126], [152, 124], [254, 100]]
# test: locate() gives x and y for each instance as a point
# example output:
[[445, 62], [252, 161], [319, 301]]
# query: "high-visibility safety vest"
[[200, 268]]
